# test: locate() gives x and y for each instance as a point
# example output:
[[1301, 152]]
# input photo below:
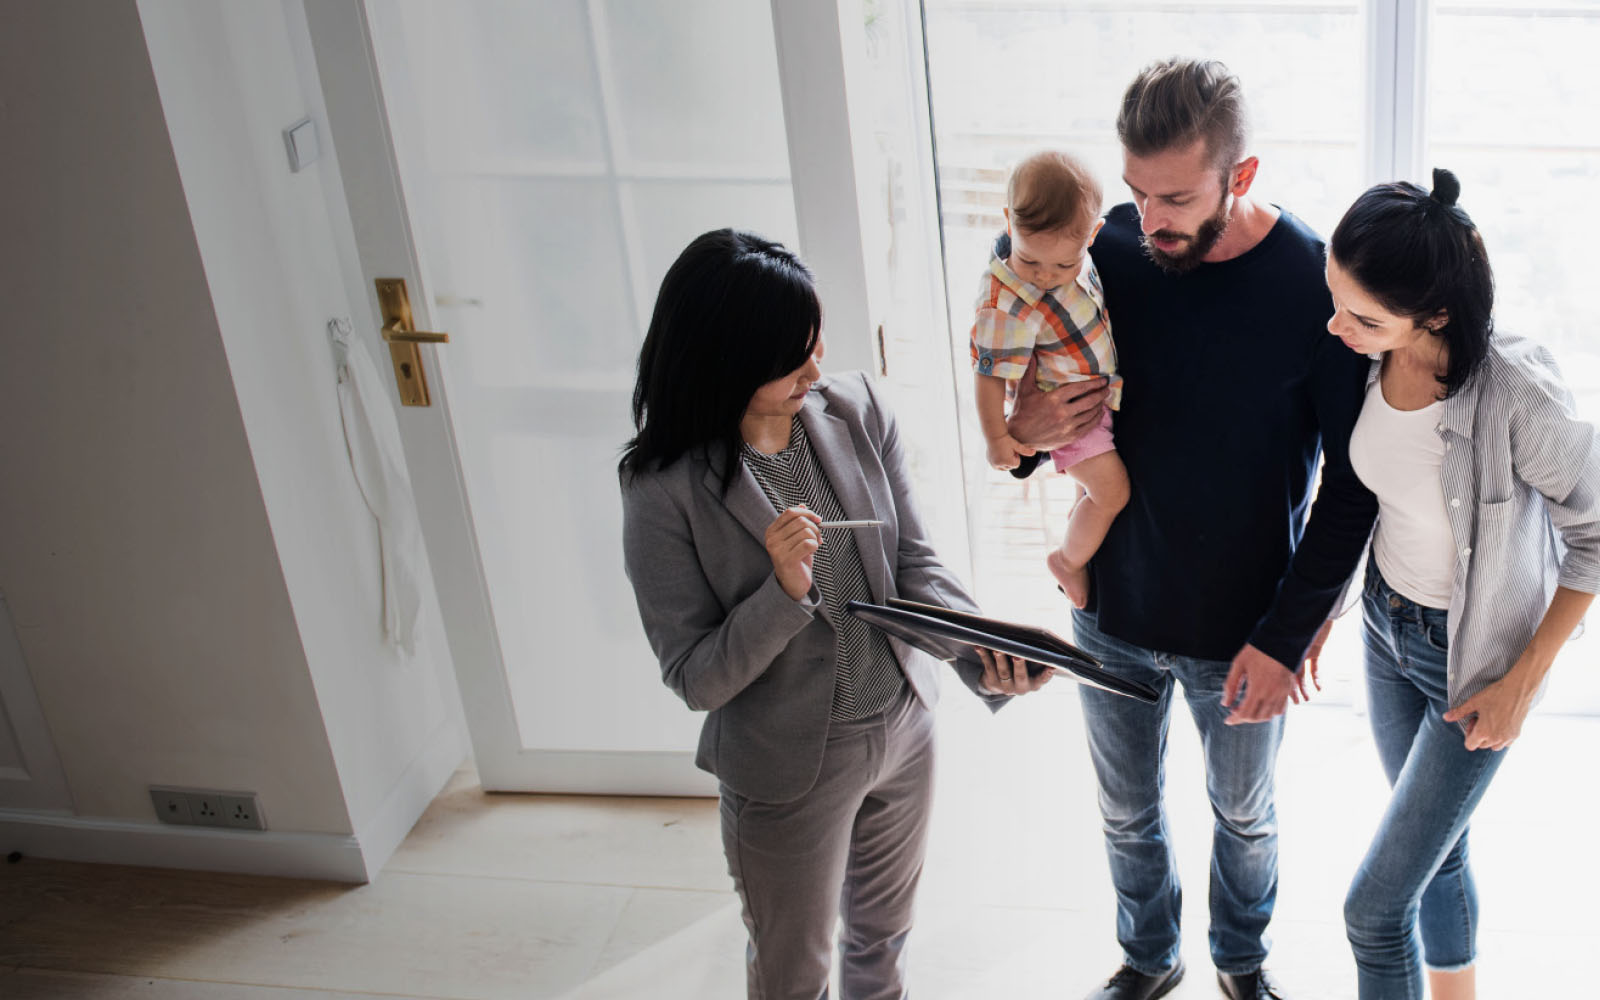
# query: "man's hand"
[[1308, 670], [1004, 674], [1259, 684], [1045, 421]]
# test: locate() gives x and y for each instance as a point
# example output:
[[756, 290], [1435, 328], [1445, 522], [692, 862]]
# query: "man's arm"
[[1045, 421], [1341, 517]]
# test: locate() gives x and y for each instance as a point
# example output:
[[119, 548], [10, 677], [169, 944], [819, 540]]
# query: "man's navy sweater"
[[1232, 386]]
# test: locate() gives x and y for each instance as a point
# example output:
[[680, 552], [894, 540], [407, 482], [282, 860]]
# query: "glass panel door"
[[555, 157]]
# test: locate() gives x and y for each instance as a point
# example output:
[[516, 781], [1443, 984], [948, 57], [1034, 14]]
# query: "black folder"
[[951, 635]]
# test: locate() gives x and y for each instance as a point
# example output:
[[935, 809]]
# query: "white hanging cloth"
[[372, 438]]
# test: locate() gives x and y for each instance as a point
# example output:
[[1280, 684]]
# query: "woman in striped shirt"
[[1485, 557]]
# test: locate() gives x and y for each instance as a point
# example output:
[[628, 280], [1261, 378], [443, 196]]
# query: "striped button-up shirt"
[[1521, 478], [1065, 328]]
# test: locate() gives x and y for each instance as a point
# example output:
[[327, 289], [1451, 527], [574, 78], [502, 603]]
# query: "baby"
[[1041, 297]]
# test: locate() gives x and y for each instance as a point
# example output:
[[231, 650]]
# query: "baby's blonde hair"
[[1053, 190]]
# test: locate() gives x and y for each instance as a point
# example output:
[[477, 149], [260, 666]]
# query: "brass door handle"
[[395, 335], [409, 375]]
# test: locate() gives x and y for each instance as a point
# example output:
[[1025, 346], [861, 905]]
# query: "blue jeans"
[[1128, 742], [1415, 880]]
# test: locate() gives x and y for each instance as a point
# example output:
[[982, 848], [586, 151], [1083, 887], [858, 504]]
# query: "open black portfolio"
[[952, 635]]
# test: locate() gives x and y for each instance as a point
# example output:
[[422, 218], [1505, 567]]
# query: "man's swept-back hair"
[[1052, 190], [1173, 102], [735, 312]]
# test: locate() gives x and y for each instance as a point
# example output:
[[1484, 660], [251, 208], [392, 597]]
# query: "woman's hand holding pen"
[[792, 542]]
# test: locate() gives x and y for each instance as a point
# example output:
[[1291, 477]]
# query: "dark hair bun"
[[1446, 188]]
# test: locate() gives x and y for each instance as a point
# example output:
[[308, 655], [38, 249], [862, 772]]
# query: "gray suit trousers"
[[851, 848]]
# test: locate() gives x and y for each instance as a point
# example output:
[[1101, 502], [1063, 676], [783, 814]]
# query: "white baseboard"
[[336, 857], [600, 772], [332, 856], [417, 786]]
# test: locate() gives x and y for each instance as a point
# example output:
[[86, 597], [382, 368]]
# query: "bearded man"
[[1212, 578]]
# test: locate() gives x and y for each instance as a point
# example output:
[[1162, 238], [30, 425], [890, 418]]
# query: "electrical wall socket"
[[206, 808], [242, 812], [171, 806], [199, 807]]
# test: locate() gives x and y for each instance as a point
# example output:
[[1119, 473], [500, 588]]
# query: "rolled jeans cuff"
[[1457, 967]]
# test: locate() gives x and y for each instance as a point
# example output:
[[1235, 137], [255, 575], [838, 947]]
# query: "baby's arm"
[[1005, 452]]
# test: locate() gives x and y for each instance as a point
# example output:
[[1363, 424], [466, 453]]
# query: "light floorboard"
[[500, 896]]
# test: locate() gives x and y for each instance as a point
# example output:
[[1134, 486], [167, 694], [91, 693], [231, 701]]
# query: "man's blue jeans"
[[1128, 742], [1415, 880]]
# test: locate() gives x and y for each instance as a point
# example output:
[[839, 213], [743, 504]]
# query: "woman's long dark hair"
[[1418, 253], [735, 312]]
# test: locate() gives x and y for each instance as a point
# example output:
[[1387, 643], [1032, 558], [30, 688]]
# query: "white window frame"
[[1397, 90]]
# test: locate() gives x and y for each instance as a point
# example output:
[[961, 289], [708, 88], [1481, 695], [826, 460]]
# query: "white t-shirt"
[[1397, 454]]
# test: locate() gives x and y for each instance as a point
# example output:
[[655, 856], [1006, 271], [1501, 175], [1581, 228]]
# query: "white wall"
[[193, 574], [134, 546]]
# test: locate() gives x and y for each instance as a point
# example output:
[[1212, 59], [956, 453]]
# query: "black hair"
[[1418, 253], [734, 312]]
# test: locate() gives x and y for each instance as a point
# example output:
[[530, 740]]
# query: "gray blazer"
[[730, 641]]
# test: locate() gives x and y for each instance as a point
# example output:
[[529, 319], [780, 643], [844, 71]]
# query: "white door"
[[530, 170]]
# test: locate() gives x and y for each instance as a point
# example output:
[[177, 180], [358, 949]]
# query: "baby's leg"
[[1105, 483]]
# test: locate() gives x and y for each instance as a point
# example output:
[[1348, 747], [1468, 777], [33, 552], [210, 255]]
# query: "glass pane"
[[665, 215], [695, 87], [1525, 141], [1302, 71], [499, 81], [539, 264], [581, 673], [542, 247]]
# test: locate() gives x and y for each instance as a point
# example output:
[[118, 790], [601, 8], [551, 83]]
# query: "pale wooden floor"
[[498, 896], [531, 896]]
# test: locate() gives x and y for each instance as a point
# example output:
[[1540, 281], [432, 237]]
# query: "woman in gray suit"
[[818, 728]]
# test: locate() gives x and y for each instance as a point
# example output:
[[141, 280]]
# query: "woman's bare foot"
[[1074, 581]]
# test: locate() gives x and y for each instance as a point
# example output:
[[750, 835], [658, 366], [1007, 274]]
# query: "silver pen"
[[849, 524]]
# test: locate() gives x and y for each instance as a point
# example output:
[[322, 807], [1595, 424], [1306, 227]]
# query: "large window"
[[1512, 107], [1343, 95]]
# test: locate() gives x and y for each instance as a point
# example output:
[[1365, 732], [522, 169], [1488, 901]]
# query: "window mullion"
[[1397, 54], [1378, 138], [1411, 90]]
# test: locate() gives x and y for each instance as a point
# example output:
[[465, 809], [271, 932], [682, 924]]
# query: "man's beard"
[[1201, 243]]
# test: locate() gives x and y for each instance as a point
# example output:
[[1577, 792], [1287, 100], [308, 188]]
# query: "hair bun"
[[1446, 187]]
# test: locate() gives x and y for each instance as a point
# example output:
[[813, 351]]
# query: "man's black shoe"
[[1257, 985], [1129, 984]]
